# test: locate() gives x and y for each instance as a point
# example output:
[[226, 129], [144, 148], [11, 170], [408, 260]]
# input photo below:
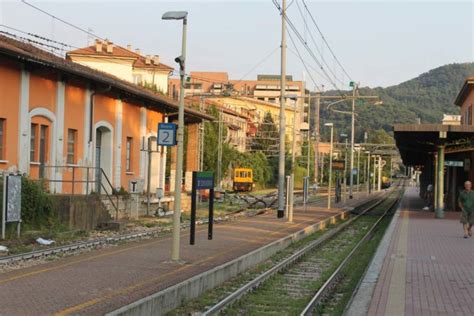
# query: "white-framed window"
[[71, 146], [3, 124], [34, 131], [128, 154]]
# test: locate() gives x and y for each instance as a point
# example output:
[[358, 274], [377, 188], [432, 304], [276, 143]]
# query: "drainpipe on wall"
[[91, 125]]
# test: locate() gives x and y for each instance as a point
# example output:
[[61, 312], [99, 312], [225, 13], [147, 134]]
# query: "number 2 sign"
[[167, 134]]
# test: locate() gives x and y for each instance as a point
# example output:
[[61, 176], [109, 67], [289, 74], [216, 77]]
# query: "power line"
[[61, 20], [302, 61], [324, 39], [52, 48], [37, 36], [311, 53], [259, 63]]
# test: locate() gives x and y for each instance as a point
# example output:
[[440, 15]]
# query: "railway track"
[[299, 283], [73, 247]]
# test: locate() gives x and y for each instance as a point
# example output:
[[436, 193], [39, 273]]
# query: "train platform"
[[105, 280], [423, 266]]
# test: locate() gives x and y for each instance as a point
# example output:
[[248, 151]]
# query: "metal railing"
[[98, 183]]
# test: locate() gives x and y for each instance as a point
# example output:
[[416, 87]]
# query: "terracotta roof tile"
[[28, 53], [120, 52]]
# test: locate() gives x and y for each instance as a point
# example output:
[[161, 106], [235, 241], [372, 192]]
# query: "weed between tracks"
[[213, 296], [287, 293], [337, 302]]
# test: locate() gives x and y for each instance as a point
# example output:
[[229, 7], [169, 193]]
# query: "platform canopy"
[[416, 142]]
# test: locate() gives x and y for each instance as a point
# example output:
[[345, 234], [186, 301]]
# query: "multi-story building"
[[125, 64], [253, 98], [62, 121]]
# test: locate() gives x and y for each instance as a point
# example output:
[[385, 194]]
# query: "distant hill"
[[426, 97]]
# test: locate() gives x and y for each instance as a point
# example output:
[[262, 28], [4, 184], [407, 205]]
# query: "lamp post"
[[179, 15], [358, 148], [375, 172], [331, 125], [345, 167], [367, 177]]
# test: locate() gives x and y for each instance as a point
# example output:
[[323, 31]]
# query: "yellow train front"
[[243, 180], [386, 182]]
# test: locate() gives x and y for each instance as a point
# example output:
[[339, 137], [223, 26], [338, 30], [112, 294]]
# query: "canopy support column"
[[440, 181]]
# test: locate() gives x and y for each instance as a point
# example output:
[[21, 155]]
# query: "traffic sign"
[[354, 171], [167, 134]]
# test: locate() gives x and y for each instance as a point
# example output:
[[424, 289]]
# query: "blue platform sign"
[[167, 134]]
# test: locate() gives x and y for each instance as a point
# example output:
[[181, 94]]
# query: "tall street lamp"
[[331, 125], [345, 166], [367, 176], [179, 15]]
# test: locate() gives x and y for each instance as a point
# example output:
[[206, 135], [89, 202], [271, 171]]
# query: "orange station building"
[[76, 127]]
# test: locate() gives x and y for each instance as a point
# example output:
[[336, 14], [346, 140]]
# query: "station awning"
[[416, 142]]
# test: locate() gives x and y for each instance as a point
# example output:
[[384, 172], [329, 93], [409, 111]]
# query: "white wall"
[[119, 68]]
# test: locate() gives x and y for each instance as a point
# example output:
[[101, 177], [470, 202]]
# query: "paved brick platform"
[[104, 280], [429, 266]]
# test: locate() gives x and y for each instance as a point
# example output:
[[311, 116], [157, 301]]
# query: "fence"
[[80, 180]]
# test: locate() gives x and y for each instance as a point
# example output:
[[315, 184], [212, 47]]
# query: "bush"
[[36, 205]]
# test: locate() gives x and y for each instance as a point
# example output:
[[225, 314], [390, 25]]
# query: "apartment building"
[[124, 63]]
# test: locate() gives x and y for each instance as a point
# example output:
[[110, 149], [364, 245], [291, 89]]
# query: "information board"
[[204, 180], [166, 134], [13, 198], [454, 163]]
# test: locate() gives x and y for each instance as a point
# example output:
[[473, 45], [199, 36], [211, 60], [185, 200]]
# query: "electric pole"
[[219, 152], [316, 141], [281, 154], [351, 181]]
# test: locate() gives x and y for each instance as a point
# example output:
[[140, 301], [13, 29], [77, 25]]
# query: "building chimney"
[[98, 46], [137, 51], [129, 47], [156, 59], [148, 60], [110, 47]]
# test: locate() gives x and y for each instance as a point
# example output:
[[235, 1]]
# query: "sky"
[[378, 43]]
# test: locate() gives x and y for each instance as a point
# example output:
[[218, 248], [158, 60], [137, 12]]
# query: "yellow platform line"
[[396, 293]]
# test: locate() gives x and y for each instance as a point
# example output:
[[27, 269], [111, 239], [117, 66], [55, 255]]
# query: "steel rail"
[[256, 282], [35, 254], [328, 285]]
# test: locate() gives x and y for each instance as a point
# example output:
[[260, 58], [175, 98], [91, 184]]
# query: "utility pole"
[[367, 177], [345, 173], [380, 174], [309, 141], [358, 168], [375, 173], [219, 153], [281, 154], [351, 181], [201, 137], [293, 168], [317, 136], [331, 125]]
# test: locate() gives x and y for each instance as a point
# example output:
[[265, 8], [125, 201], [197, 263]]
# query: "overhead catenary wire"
[[311, 53], [303, 62], [52, 48], [62, 20], [312, 37], [324, 39]]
